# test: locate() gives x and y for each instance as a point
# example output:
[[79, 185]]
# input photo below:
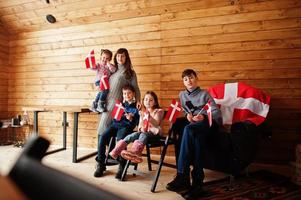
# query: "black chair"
[[231, 152], [164, 142], [37, 181], [245, 138]]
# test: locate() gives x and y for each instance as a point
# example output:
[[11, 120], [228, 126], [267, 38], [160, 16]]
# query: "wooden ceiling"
[[30, 15]]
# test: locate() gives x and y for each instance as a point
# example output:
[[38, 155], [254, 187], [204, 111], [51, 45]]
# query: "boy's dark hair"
[[106, 51], [188, 72], [128, 87]]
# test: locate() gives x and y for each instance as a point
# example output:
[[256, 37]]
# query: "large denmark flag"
[[104, 83], [118, 110], [240, 102], [90, 60], [173, 111]]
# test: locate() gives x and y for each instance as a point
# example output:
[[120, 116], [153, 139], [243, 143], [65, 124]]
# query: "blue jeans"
[[102, 95], [193, 149], [115, 129], [143, 137]]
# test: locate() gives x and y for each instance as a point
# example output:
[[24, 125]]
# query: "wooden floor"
[[137, 187]]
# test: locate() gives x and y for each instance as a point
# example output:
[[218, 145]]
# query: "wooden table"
[[75, 110], [9, 190]]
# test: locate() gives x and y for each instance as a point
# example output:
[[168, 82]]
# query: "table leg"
[[75, 132], [35, 122], [75, 137], [65, 124]]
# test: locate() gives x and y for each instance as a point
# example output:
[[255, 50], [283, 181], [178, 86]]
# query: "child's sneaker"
[[121, 145], [94, 106], [135, 154], [101, 107]]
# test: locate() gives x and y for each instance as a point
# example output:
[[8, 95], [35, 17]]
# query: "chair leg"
[[149, 162], [136, 166], [125, 170], [155, 181]]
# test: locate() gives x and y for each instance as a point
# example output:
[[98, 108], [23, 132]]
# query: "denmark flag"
[[104, 83], [118, 110], [207, 107], [173, 111], [240, 102], [90, 60], [146, 120]]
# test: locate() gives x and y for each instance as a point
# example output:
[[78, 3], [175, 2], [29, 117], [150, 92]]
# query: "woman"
[[124, 75]]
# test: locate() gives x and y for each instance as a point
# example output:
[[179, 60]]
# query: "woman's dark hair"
[[128, 64], [153, 94], [188, 72]]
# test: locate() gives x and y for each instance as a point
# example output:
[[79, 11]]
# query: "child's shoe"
[[135, 154], [94, 106], [101, 107], [121, 145]]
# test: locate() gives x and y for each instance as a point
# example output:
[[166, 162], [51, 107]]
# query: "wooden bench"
[[75, 110]]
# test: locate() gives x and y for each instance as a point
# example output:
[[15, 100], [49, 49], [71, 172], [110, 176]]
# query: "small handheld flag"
[[90, 60], [104, 83], [146, 120], [173, 111], [118, 110], [207, 107]]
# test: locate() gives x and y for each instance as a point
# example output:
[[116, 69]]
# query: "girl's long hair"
[[153, 94], [128, 64]]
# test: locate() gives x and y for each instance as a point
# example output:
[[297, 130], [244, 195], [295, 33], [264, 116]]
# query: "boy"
[[105, 68], [120, 129], [195, 133]]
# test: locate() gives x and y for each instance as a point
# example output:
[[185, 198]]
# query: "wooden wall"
[[257, 42], [3, 79]]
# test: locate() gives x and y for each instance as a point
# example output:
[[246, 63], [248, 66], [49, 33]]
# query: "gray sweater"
[[117, 81], [193, 102]]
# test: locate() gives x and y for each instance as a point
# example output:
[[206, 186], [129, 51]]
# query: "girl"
[[153, 115], [104, 68]]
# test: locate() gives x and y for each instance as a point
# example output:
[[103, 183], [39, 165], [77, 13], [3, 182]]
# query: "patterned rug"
[[263, 185]]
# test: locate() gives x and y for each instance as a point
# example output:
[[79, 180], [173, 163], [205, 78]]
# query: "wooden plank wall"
[[257, 42], [3, 79]]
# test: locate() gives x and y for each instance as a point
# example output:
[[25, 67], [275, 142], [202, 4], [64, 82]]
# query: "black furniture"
[[164, 142]]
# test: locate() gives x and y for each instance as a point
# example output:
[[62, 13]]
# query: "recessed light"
[[50, 19]]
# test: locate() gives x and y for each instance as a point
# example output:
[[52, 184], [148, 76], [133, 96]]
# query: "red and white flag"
[[173, 111], [90, 60], [207, 107], [146, 117], [104, 83], [118, 110], [240, 102]]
